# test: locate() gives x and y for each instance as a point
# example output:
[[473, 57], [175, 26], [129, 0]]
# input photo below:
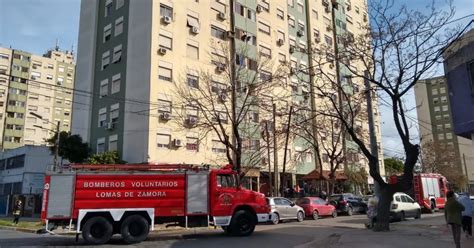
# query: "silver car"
[[284, 209]]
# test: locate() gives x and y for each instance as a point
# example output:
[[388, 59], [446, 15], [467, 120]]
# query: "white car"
[[284, 209], [404, 206]]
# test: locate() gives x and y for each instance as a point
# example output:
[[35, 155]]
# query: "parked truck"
[[429, 190], [102, 200]]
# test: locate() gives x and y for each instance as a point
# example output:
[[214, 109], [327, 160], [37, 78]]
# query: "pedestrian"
[[323, 195], [372, 211], [17, 211], [453, 215], [466, 214]]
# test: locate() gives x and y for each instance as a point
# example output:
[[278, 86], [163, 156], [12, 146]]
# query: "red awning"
[[315, 175]]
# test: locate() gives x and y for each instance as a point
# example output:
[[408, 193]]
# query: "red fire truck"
[[430, 190], [101, 200]]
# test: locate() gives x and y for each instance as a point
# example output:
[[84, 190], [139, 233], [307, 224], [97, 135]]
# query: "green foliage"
[[111, 157], [71, 147], [393, 166]]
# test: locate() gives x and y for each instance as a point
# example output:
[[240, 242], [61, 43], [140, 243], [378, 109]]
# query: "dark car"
[[348, 203]]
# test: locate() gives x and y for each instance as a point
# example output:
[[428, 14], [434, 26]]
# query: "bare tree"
[[389, 58], [439, 158], [226, 100]]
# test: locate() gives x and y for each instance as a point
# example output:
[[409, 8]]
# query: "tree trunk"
[[332, 185], [383, 209]]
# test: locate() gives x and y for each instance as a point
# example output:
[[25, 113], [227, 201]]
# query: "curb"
[[22, 229]]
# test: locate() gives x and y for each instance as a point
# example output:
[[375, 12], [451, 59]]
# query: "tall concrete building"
[[435, 119], [34, 83], [131, 55]]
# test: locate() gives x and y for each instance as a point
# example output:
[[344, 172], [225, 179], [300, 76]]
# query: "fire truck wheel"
[[418, 214], [242, 223], [134, 229], [97, 230]]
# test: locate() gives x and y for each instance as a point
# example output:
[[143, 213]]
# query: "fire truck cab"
[[102, 200]]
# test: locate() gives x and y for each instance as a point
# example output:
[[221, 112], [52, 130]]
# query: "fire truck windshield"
[[226, 181]]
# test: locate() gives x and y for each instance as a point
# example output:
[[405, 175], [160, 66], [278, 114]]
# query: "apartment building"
[[42, 84], [133, 54], [435, 120]]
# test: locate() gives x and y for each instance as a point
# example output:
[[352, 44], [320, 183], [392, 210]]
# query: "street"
[[343, 231]]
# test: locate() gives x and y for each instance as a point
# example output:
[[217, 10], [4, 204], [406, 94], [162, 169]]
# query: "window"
[[226, 181], [163, 140], [447, 126], [300, 7], [442, 90], [218, 33], [439, 127], [449, 136], [265, 76], [105, 59], [265, 5], [101, 145], [218, 147], [119, 4], [436, 109], [309, 157], [265, 51], [444, 107], [281, 57], [291, 3], [435, 100], [434, 91], [315, 14], [166, 11], [115, 83], [113, 142], [165, 73], [193, 81], [291, 21], [192, 144], [114, 113], [192, 51], [4, 56], [444, 99], [165, 42], [104, 87], [328, 40], [164, 106], [281, 35], [49, 77], [35, 75], [239, 9], [251, 15], [117, 56], [118, 26], [280, 14], [325, 157], [61, 69], [108, 8], [193, 21], [264, 28], [441, 136], [102, 117]]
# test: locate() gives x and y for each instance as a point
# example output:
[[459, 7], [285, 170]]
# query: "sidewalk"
[[429, 232]]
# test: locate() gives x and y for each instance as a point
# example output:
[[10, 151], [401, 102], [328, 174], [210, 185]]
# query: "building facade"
[[39, 84], [435, 120], [459, 72], [132, 54], [22, 173]]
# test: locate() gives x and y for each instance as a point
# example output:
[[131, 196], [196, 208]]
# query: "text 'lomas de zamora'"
[[134, 185]]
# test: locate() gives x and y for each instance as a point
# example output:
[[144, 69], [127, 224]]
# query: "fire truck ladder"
[[416, 186]]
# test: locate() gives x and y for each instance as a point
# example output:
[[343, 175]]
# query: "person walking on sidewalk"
[[17, 211], [453, 215], [466, 214]]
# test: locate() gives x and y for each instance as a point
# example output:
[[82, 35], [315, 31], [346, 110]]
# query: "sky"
[[35, 25]]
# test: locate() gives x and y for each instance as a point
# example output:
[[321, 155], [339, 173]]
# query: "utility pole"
[[270, 182], [275, 155], [234, 89], [56, 147], [286, 148]]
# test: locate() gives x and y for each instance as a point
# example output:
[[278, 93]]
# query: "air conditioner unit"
[[293, 70], [331, 65], [280, 42], [165, 116], [259, 8], [222, 16], [223, 97], [327, 9], [325, 2], [220, 68], [195, 30], [191, 120], [292, 49], [177, 142], [328, 28], [300, 33], [162, 51], [349, 7], [166, 19]]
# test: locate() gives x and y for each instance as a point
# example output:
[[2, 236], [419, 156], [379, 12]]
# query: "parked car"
[[348, 203], [284, 209], [315, 207], [404, 206]]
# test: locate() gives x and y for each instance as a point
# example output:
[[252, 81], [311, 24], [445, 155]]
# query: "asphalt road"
[[309, 233]]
